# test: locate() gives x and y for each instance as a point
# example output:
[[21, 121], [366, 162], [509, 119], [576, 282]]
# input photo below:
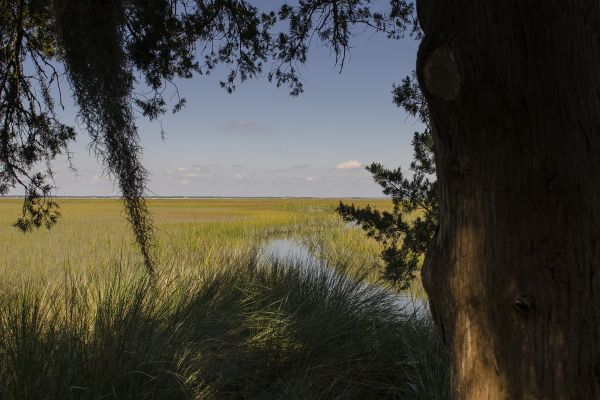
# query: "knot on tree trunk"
[[441, 73], [524, 305]]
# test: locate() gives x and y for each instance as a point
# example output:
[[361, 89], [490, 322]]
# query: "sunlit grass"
[[191, 233], [80, 319]]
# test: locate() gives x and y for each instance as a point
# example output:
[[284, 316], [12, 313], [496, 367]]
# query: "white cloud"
[[238, 177], [309, 179], [193, 171], [99, 179], [352, 164]]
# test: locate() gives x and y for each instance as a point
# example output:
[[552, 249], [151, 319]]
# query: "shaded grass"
[[80, 320], [244, 332]]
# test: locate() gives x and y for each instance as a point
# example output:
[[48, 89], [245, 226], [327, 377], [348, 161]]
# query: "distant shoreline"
[[209, 197]]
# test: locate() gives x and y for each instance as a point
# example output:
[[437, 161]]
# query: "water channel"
[[293, 252]]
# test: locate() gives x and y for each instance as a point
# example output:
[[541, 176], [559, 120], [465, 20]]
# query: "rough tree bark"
[[513, 87]]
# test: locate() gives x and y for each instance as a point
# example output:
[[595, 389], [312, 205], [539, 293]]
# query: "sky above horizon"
[[259, 141]]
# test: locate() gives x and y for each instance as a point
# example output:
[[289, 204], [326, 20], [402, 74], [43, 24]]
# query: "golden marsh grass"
[[191, 233], [80, 318]]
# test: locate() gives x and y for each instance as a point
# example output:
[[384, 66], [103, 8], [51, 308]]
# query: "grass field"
[[92, 234], [79, 318]]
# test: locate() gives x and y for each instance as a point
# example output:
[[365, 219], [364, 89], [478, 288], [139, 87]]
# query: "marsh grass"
[[244, 332], [215, 322], [191, 234]]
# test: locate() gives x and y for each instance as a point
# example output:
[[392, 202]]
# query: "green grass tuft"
[[79, 319], [245, 332]]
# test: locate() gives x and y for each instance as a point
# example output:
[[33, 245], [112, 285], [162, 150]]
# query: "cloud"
[[309, 179], [189, 172], [99, 179], [201, 168], [352, 164]]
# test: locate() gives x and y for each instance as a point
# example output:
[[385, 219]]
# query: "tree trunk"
[[513, 88]]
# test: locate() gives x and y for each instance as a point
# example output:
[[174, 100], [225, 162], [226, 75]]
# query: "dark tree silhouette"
[[512, 93], [114, 54], [407, 230]]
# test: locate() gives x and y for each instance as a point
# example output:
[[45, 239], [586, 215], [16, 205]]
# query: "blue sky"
[[259, 141]]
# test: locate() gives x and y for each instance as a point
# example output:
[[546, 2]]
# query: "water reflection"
[[291, 251], [280, 250]]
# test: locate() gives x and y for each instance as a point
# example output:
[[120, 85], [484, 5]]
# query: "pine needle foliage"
[[30, 131], [407, 230]]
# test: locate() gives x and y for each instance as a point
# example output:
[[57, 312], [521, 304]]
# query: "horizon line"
[[202, 197]]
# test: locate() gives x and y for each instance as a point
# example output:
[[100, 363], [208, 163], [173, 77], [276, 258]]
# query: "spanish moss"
[[92, 36]]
